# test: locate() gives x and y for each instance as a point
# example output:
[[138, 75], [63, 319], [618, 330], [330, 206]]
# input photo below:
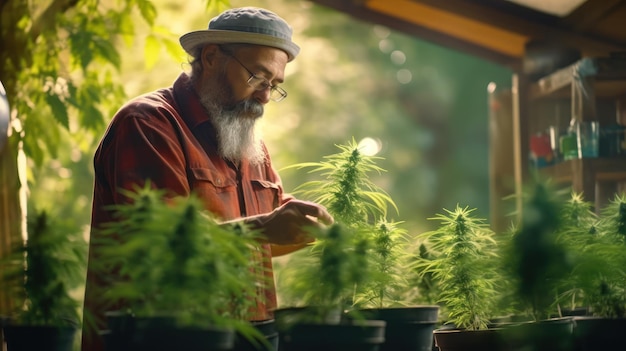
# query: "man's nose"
[[263, 95]]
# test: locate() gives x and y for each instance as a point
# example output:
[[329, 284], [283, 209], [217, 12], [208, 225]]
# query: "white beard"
[[238, 139], [235, 125]]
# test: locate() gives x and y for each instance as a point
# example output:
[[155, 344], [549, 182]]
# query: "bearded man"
[[198, 136]]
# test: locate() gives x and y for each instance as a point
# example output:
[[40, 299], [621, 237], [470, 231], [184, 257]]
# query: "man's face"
[[225, 96], [234, 105], [257, 64]]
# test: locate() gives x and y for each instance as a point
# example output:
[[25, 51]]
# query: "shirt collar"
[[192, 111]]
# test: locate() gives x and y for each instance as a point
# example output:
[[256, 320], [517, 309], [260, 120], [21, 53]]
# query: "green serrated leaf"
[[107, 50], [59, 110], [81, 48], [72, 98], [148, 11], [91, 118]]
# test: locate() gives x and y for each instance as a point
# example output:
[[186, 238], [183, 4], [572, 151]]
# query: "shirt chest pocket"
[[218, 192], [266, 194]]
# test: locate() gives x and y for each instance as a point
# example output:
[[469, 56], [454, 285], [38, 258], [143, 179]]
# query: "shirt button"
[[218, 181]]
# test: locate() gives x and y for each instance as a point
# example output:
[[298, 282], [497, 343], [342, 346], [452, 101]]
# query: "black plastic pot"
[[128, 333], [286, 317], [44, 338], [154, 336], [595, 333], [408, 328], [470, 340], [119, 332], [364, 335], [269, 333], [554, 334]]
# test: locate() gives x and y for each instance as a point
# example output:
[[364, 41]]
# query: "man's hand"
[[287, 224]]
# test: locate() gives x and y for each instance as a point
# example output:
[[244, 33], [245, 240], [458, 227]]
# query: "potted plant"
[[361, 208], [42, 274], [567, 266], [385, 296], [184, 279], [609, 299], [538, 264], [327, 276], [578, 235], [463, 263], [597, 280], [354, 201]]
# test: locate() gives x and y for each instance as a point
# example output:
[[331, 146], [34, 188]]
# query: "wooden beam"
[[584, 18], [505, 16], [453, 24], [534, 24], [357, 10]]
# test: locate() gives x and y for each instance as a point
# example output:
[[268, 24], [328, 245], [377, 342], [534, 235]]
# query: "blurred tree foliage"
[[60, 63]]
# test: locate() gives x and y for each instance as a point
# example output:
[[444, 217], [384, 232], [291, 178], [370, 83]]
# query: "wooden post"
[[521, 144], [501, 161], [10, 209]]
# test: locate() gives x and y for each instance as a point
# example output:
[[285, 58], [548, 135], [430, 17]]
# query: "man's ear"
[[210, 56]]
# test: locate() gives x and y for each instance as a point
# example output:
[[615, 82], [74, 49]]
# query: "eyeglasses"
[[259, 83]]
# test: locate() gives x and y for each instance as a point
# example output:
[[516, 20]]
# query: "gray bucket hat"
[[248, 25]]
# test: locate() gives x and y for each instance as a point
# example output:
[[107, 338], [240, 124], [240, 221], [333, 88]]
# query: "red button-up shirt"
[[167, 137]]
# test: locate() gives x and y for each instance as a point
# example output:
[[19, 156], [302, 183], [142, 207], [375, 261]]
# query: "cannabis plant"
[[43, 272], [389, 260], [359, 208], [462, 263], [578, 235], [422, 286], [607, 296], [345, 187], [172, 258], [538, 260], [324, 277], [614, 219]]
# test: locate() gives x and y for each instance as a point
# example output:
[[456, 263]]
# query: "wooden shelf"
[[601, 169], [595, 89], [608, 73], [597, 179]]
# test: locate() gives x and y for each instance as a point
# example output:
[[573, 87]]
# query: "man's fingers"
[[311, 209]]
